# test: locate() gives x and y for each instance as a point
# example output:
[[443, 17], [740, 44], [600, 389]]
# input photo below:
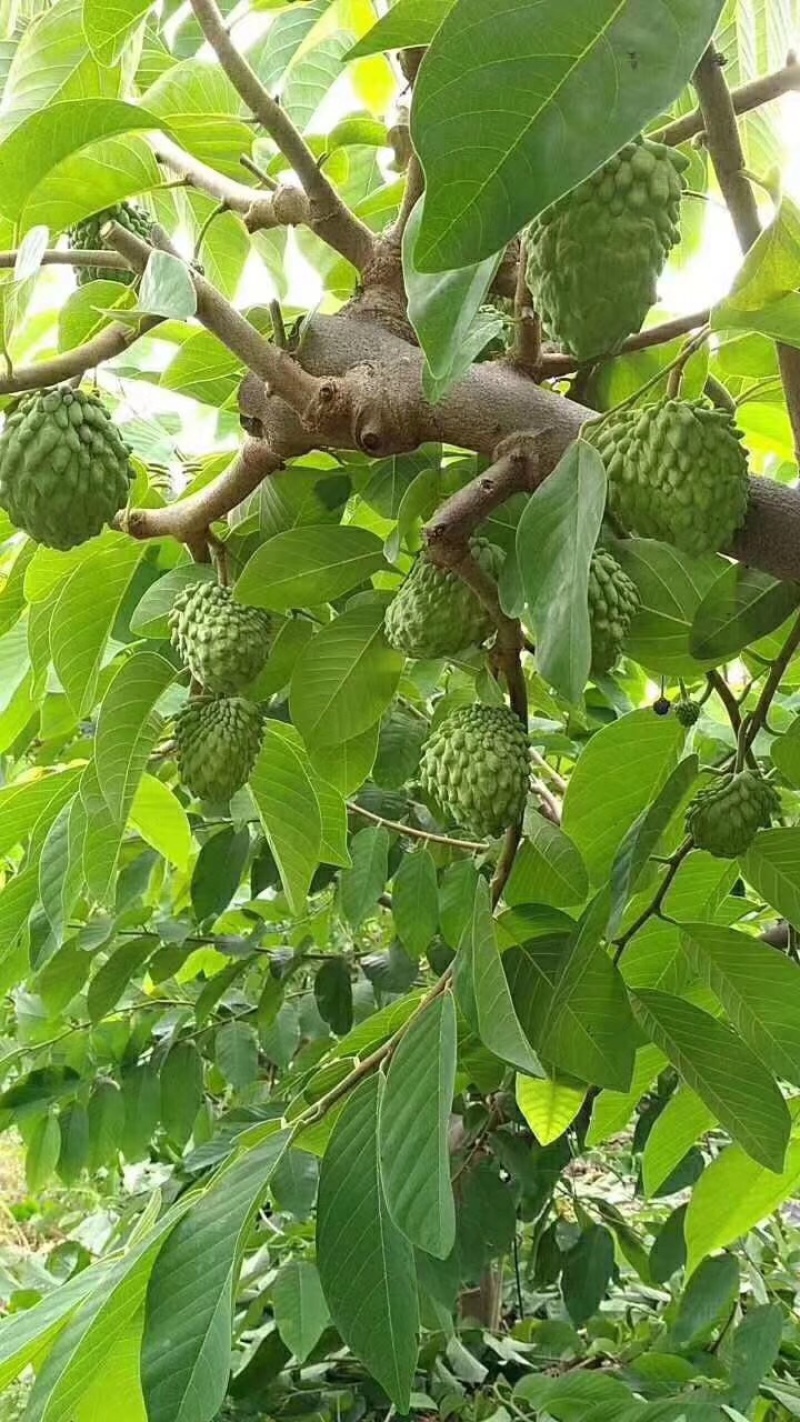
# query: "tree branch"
[[776, 674], [553, 366], [110, 342], [188, 520], [237, 196], [87, 257], [725, 150], [745, 99], [277, 367], [411, 832], [330, 217]]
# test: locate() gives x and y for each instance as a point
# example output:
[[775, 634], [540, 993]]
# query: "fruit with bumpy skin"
[[85, 236], [613, 603], [218, 740], [476, 768], [65, 469], [724, 819], [595, 255], [688, 713], [435, 613], [223, 643], [676, 472]]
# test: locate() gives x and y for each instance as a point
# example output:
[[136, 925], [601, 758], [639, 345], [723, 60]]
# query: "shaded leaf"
[[301, 1312], [482, 990], [741, 606]]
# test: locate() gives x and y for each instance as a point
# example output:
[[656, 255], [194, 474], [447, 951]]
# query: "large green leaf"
[[201, 109], [186, 1351], [683, 1121], [408, 23], [644, 835], [85, 613], [109, 29], [363, 883], [33, 801], [548, 868], [51, 64], [742, 606], [301, 1312], [345, 678], [555, 539], [759, 989], [51, 135], [671, 586], [612, 1110], [414, 1118], [415, 901], [621, 770], [25, 1337], [126, 732], [482, 989], [723, 1071], [764, 295], [309, 565], [366, 1265], [491, 167], [772, 865], [733, 1194]]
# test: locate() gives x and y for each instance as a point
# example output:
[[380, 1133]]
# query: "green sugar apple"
[[85, 236], [217, 740], [688, 712], [65, 469], [613, 604], [724, 819], [595, 255], [476, 767], [435, 613], [222, 642], [676, 472]]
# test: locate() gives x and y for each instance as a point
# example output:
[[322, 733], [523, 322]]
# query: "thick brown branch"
[[111, 342], [189, 519], [285, 376], [727, 156], [745, 99], [331, 219]]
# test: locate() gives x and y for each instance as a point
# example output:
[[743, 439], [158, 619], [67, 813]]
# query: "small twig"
[[330, 217], [726, 696], [415, 184], [551, 803], [656, 904], [547, 769], [212, 217], [554, 366], [109, 343], [410, 831], [264, 178], [771, 685], [82, 257], [744, 99], [526, 351]]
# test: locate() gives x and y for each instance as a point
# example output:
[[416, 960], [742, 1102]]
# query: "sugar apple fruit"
[[613, 604], [724, 819], [222, 642], [218, 740], [475, 766], [676, 472], [435, 613], [85, 236], [595, 255], [65, 469], [688, 713]]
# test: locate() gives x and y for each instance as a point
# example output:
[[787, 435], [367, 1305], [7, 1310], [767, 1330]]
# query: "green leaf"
[[612, 1110], [756, 1344], [44, 1149], [361, 886], [291, 803], [74, 1152], [106, 1117], [52, 134], [734, 1194], [556, 536], [573, 1005], [587, 1272], [415, 901], [85, 613], [301, 1312], [482, 990], [549, 1106], [772, 866], [408, 23], [151, 614], [167, 288], [141, 1093], [236, 1053], [490, 169], [785, 754], [444, 311], [345, 678], [186, 1351], [683, 1121], [671, 586], [51, 63], [181, 1090], [741, 606], [365, 1264], [61, 866], [108, 31], [764, 296], [548, 868], [758, 988], [620, 771], [644, 835], [162, 821], [706, 1300], [333, 993], [218, 871], [126, 732], [110, 982], [26, 1336], [413, 1126], [33, 802], [723, 1071], [306, 566]]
